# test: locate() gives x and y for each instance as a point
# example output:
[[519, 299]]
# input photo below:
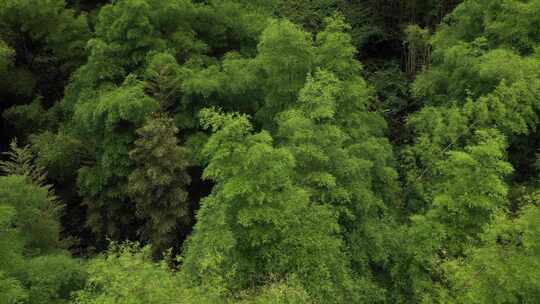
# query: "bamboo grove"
[[269, 151]]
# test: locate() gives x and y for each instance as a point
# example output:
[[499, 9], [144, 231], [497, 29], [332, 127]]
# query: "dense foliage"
[[269, 151]]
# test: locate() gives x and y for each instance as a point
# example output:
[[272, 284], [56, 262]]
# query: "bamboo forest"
[[269, 151]]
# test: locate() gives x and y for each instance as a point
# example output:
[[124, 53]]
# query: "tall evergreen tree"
[[158, 184]]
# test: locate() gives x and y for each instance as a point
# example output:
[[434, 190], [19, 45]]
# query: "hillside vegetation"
[[269, 151]]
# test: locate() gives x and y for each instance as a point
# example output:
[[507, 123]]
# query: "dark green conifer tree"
[[158, 184]]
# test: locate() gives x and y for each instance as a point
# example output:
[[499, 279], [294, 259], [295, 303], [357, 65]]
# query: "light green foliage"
[[127, 103], [6, 57], [504, 268], [342, 157], [11, 291], [478, 80], [257, 223], [512, 108], [126, 33], [11, 249], [263, 85], [53, 278], [6, 215], [354, 179], [34, 269], [506, 24], [289, 291], [482, 46], [283, 76], [129, 30], [127, 274], [20, 161], [466, 191], [270, 82], [468, 70], [28, 204], [481, 91], [35, 219], [335, 51], [158, 185], [470, 189]]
